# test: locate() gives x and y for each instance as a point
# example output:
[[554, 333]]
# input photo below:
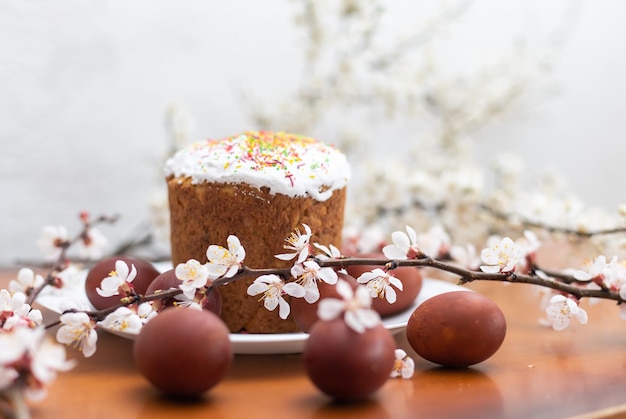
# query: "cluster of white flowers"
[[307, 273], [29, 360], [55, 238], [501, 256], [561, 309], [603, 274], [26, 281], [355, 305], [15, 312], [79, 329], [506, 256], [471, 213]]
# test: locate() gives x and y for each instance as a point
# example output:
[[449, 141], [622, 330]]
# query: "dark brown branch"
[[564, 284]]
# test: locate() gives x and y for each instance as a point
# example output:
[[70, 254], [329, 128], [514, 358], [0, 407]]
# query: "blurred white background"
[[85, 85]]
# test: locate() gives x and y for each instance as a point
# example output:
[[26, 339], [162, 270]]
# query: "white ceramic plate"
[[278, 343]]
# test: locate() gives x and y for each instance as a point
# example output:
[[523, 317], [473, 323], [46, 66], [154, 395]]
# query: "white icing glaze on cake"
[[288, 164]]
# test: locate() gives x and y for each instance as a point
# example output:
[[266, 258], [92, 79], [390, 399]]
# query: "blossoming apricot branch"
[[225, 265], [503, 260]]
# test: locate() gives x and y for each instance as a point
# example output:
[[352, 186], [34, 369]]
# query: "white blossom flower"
[[614, 276], [404, 366], [299, 243], [225, 262], [183, 301], [308, 273], [330, 252], [502, 257], [404, 245], [15, 343], [355, 306], [188, 303], [435, 242], [379, 283], [52, 240], [11, 302], [34, 316], [16, 312], [273, 288], [92, 244], [79, 330], [26, 281], [591, 271], [46, 360], [120, 276], [123, 319], [193, 275], [561, 309], [70, 277], [146, 312], [42, 358], [31, 319], [611, 274]]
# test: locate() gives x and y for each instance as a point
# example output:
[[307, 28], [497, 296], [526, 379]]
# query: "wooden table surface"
[[537, 373]]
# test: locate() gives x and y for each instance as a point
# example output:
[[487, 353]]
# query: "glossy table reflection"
[[536, 373]]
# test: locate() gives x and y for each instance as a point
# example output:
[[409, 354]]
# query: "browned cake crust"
[[207, 213]]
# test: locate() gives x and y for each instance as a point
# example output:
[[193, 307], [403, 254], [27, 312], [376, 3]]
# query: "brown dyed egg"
[[410, 277], [183, 352], [345, 364], [456, 329], [304, 314], [212, 299], [146, 273]]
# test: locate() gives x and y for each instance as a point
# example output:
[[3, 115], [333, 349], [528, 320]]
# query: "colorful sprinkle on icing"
[[290, 164]]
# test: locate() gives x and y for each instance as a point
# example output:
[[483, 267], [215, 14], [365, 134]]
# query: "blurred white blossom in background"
[[404, 91], [455, 102]]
